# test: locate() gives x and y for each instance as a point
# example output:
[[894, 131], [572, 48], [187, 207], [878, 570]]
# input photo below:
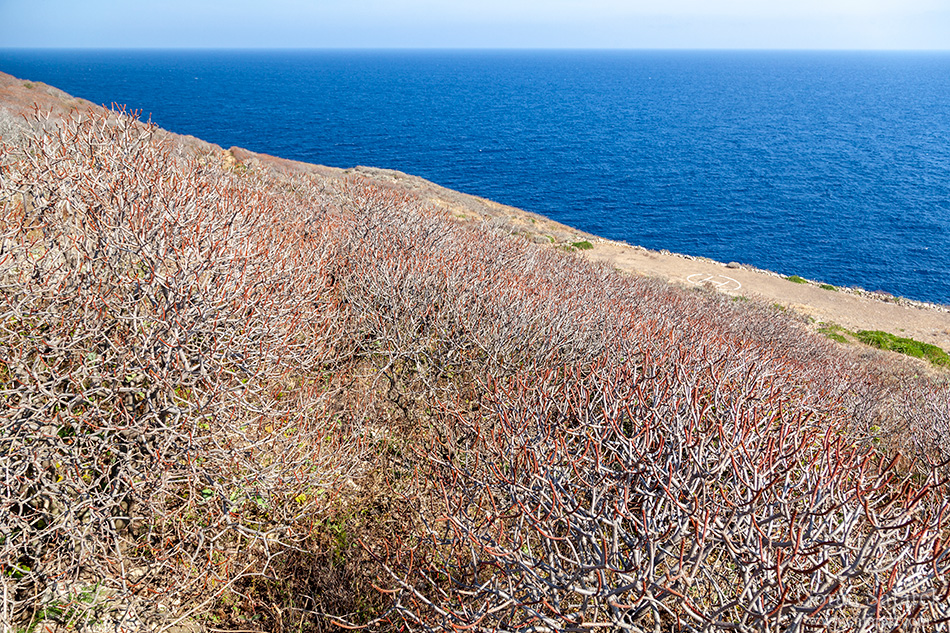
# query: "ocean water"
[[832, 166]]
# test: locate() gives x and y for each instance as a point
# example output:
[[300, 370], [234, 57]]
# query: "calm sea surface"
[[832, 166]]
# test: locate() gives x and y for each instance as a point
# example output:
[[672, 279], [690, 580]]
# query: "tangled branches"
[[633, 457], [634, 500], [163, 429], [198, 368]]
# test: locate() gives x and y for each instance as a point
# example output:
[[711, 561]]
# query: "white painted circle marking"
[[719, 281]]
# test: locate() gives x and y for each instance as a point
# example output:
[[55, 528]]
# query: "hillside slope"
[[243, 393]]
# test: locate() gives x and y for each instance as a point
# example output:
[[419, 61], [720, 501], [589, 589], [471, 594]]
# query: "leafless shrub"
[[639, 500], [164, 427], [201, 371], [639, 457]]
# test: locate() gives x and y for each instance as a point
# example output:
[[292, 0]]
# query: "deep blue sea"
[[832, 166]]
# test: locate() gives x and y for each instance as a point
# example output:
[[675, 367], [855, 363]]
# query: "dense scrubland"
[[260, 402]]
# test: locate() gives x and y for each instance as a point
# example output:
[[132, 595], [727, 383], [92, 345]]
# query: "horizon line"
[[473, 49]]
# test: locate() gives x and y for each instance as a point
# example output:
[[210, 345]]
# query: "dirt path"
[[842, 307]]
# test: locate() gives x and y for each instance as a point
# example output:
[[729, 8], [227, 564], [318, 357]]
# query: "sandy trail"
[[866, 311]]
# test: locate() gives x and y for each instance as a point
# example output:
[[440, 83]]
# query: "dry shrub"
[[636, 499], [166, 428], [307, 402], [615, 453]]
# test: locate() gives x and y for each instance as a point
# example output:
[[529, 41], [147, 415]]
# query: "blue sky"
[[783, 24]]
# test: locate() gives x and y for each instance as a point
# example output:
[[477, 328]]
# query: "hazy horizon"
[[472, 49], [869, 25]]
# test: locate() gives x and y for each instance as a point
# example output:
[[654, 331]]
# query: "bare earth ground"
[[850, 308]]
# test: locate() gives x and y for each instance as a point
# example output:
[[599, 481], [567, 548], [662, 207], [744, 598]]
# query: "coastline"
[[819, 304]]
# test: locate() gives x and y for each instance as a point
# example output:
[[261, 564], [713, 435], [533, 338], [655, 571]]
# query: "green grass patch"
[[835, 332], [901, 345], [795, 279], [571, 247], [886, 341], [828, 287], [67, 613]]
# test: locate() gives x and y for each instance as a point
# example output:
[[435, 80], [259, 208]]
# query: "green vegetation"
[[889, 342], [583, 245], [74, 612], [795, 279], [902, 345], [828, 287], [834, 332]]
